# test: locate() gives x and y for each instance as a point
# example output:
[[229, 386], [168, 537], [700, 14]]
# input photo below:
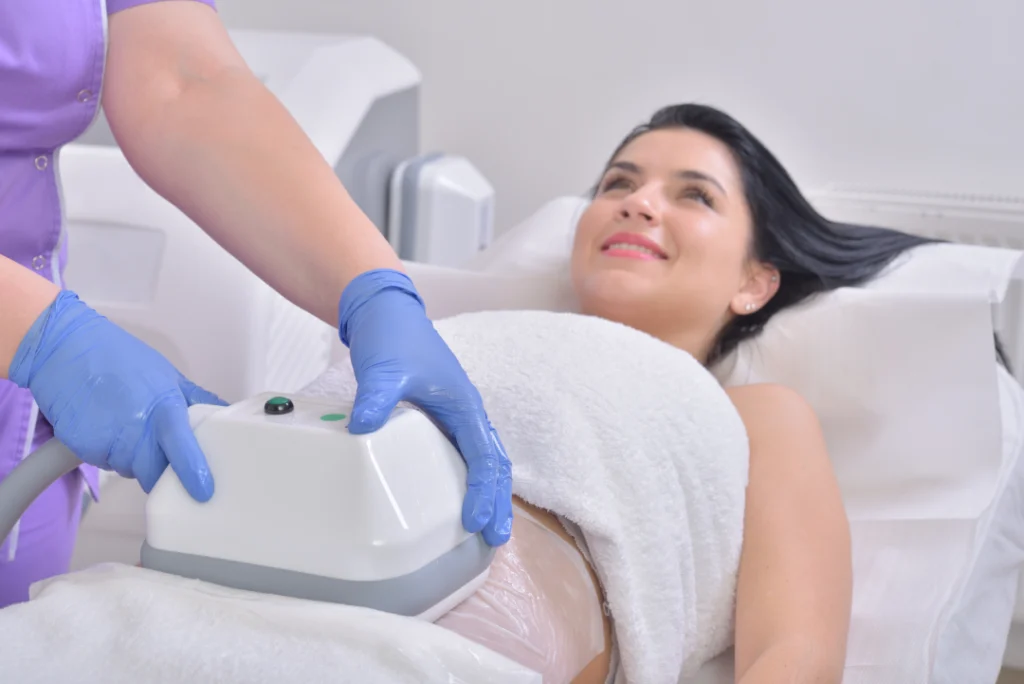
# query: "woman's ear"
[[760, 286]]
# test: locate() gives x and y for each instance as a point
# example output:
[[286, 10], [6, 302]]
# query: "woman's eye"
[[615, 184], [697, 194]]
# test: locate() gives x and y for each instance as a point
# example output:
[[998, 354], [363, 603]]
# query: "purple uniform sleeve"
[[118, 5]]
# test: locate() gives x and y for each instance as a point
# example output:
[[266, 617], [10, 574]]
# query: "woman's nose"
[[641, 204]]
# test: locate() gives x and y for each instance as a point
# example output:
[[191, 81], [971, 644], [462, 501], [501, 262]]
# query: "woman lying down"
[[660, 518]]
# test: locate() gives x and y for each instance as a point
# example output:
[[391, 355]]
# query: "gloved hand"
[[397, 355], [114, 401]]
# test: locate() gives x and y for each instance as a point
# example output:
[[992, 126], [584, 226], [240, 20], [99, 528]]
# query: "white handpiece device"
[[303, 508]]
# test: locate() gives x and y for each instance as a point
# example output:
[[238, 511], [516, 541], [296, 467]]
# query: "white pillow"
[[450, 291], [541, 243]]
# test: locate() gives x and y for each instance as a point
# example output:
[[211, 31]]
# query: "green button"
[[278, 406], [332, 417]]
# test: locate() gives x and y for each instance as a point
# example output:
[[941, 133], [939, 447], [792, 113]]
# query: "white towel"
[[118, 624], [641, 453]]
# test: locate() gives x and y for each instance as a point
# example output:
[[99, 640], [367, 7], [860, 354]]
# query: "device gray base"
[[408, 595]]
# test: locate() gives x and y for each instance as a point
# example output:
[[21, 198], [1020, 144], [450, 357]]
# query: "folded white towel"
[[641, 453], [118, 624]]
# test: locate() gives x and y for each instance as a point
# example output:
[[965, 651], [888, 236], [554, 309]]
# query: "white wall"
[[914, 94]]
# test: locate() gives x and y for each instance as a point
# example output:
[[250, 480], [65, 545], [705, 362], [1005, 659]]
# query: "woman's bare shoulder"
[[788, 448], [769, 408]]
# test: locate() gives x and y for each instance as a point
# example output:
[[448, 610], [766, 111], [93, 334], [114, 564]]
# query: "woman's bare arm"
[[202, 130], [795, 580]]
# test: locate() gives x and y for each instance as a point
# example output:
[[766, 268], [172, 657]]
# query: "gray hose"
[[30, 478]]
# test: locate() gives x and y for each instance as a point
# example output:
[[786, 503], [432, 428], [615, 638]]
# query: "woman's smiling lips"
[[633, 246]]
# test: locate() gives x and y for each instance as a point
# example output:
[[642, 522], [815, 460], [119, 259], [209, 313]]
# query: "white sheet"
[[971, 646], [966, 644], [119, 624]]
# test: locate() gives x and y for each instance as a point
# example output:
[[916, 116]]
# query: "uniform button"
[[42, 161], [38, 262], [84, 95]]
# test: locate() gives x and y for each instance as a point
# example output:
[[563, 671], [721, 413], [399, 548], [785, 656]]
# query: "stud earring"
[[749, 307], [775, 278]]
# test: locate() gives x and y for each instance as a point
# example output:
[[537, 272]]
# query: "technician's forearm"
[[23, 296], [228, 154], [795, 662]]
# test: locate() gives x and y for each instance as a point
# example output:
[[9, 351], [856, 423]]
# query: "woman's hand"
[[397, 355], [113, 400], [794, 592]]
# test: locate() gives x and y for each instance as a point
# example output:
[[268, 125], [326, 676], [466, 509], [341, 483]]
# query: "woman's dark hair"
[[811, 253]]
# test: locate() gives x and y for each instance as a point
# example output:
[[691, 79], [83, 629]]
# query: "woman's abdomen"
[[540, 605]]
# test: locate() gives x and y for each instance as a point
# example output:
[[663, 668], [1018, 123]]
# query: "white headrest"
[[541, 243], [900, 367]]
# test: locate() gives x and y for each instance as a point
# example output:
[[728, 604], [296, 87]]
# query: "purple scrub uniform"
[[52, 54]]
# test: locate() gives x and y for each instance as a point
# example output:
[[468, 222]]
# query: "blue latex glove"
[[114, 401], [397, 355]]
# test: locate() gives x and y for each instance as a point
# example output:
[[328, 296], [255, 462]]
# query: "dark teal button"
[[277, 406]]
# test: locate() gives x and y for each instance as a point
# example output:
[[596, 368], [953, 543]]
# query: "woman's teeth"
[[632, 248]]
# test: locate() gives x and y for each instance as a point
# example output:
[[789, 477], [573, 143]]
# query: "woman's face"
[[664, 246]]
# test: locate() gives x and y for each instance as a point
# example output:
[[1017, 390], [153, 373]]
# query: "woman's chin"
[[615, 294]]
